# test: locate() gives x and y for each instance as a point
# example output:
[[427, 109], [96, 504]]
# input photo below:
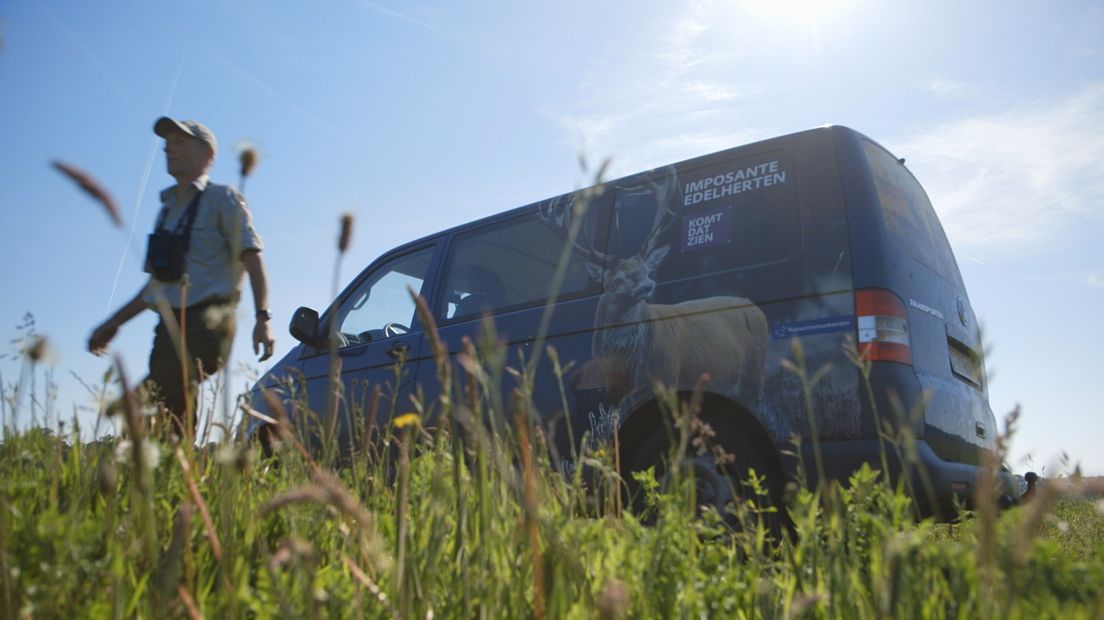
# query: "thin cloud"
[[947, 89], [711, 91], [701, 142], [591, 133], [1096, 280], [378, 8], [275, 94], [1023, 175], [665, 102], [680, 50]]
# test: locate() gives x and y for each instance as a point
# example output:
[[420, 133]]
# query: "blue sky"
[[419, 115]]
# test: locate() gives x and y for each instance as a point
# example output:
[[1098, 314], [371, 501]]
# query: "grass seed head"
[[613, 600], [292, 549], [248, 158], [108, 476], [92, 188], [38, 350], [346, 232], [803, 602]]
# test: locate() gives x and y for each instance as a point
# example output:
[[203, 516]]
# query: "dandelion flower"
[[407, 419]]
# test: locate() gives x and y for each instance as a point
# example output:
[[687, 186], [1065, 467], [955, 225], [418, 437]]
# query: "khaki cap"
[[165, 125]]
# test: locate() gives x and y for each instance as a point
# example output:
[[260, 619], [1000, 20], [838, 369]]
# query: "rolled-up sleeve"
[[236, 223]]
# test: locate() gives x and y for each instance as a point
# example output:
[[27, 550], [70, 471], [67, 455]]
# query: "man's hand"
[[97, 342], [262, 335]]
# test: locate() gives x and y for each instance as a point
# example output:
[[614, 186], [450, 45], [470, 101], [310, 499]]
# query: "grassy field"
[[422, 524]]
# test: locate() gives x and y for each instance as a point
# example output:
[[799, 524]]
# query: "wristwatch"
[[264, 315]]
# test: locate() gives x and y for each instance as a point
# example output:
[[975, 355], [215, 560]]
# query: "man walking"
[[203, 241]]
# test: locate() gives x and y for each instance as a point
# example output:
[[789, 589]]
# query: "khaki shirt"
[[223, 229]]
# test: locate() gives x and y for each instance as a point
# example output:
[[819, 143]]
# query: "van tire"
[[719, 485]]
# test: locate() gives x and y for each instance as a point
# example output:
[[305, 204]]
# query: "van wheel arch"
[[730, 417]]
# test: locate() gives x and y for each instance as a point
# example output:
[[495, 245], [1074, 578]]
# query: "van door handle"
[[397, 350]]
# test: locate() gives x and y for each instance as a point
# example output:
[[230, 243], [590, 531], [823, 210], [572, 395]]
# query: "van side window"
[[730, 215], [381, 307], [910, 220], [511, 265]]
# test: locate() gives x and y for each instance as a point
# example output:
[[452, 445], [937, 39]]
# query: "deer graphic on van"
[[637, 343]]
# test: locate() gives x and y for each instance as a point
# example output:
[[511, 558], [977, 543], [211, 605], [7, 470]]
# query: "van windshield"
[[910, 219]]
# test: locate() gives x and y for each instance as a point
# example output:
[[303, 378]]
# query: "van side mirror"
[[305, 327]]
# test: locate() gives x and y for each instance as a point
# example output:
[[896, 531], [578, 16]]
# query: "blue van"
[[708, 273]]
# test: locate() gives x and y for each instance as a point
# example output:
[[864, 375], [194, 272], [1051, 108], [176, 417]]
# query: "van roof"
[[838, 130]]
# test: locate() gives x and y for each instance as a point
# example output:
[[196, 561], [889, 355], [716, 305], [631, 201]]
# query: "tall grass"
[[465, 519]]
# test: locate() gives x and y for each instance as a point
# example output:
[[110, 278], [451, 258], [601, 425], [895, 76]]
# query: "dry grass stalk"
[[299, 495], [477, 377], [134, 429], [370, 420], [986, 498], [403, 591], [167, 576], [327, 489], [283, 428], [189, 603], [334, 400], [143, 499], [440, 351], [339, 496], [257, 414], [92, 188], [529, 515], [367, 582], [188, 432], [193, 490]]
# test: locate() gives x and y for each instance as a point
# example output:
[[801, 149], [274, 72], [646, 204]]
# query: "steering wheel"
[[395, 329]]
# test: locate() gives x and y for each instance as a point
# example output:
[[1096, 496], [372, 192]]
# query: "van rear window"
[[732, 215], [910, 219]]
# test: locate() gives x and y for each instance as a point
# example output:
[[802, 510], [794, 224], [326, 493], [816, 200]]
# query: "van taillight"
[[883, 326]]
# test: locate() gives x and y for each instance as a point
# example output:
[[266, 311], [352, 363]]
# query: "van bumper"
[[939, 488]]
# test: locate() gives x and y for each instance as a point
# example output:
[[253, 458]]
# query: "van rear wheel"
[[721, 481]]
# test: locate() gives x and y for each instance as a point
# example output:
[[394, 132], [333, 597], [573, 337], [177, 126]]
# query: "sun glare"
[[797, 11]]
